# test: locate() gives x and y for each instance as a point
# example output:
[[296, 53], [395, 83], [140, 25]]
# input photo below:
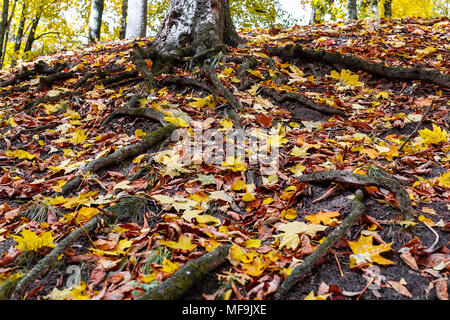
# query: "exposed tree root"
[[212, 74], [310, 261], [119, 77], [182, 81], [40, 68], [31, 130], [51, 99], [179, 283], [378, 179], [355, 63], [43, 265], [302, 100], [138, 60], [136, 112], [46, 82], [249, 63], [147, 141]]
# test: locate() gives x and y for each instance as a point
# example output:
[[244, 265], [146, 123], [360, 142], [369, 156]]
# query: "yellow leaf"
[[78, 136], [227, 71], [436, 136], [169, 266], [21, 154], [178, 121], [346, 78], [268, 200], [255, 268], [311, 296], [289, 214], [247, 197], [86, 213], [253, 243], [291, 230], [207, 219], [235, 164], [30, 241], [365, 252], [139, 133], [324, 217], [183, 243], [444, 180], [239, 185]]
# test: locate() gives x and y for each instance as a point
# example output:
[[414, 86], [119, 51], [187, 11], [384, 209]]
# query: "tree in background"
[[352, 11], [136, 19], [95, 20]]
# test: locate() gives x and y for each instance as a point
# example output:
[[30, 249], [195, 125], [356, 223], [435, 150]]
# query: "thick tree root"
[[148, 141], [119, 77], [46, 82], [180, 282], [211, 72], [310, 261], [302, 100], [52, 99], [43, 265], [138, 60], [379, 180], [136, 112], [355, 63], [40, 68]]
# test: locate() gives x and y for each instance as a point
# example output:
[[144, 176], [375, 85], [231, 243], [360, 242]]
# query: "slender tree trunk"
[[32, 33], [193, 27], [352, 12], [387, 8], [374, 7], [19, 35], [3, 24], [95, 20], [312, 18], [123, 22], [137, 19], [8, 28]]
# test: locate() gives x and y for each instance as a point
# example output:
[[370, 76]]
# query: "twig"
[[418, 126], [432, 247]]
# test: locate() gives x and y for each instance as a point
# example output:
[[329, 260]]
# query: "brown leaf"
[[400, 288], [409, 260], [441, 289]]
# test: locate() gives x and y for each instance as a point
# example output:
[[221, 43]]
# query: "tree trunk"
[[312, 17], [95, 20], [4, 23], [352, 12], [195, 27], [374, 7], [32, 33], [137, 19], [387, 8], [123, 22], [19, 35]]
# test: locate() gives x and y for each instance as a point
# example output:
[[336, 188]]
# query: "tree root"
[[355, 63], [302, 100], [40, 68], [138, 60], [380, 179], [51, 99], [43, 265], [182, 81], [46, 82], [310, 261], [212, 74], [147, 141], [119, 77], [179, 283], [136, 112]]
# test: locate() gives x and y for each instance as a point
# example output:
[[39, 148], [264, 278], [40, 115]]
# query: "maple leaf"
[[178, 121], [235, 164], [78, 136], [169, 266], [346, 79], [30, 241], [183, 243], [444, 180], [21, 154], [435, 136], [291, 230], [324, 217], [365, 252]]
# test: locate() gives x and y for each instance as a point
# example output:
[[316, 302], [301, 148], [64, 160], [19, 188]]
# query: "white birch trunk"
[[137, 19], [95, 20]]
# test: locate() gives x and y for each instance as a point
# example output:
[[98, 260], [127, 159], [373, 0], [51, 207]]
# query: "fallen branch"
[[302, 100], [382, 180], [140, 147], [310, 261], [179, 283], [374, 68]]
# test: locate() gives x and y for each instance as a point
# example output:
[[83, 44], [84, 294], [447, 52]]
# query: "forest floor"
[[53, 125]]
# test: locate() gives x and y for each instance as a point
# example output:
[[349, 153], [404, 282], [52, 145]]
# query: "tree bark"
[[137, 19], [95, 20], [4, 23], [31, 34], [19, 35], [193, 27], [352, 12], [387, 8], [123, 22]]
